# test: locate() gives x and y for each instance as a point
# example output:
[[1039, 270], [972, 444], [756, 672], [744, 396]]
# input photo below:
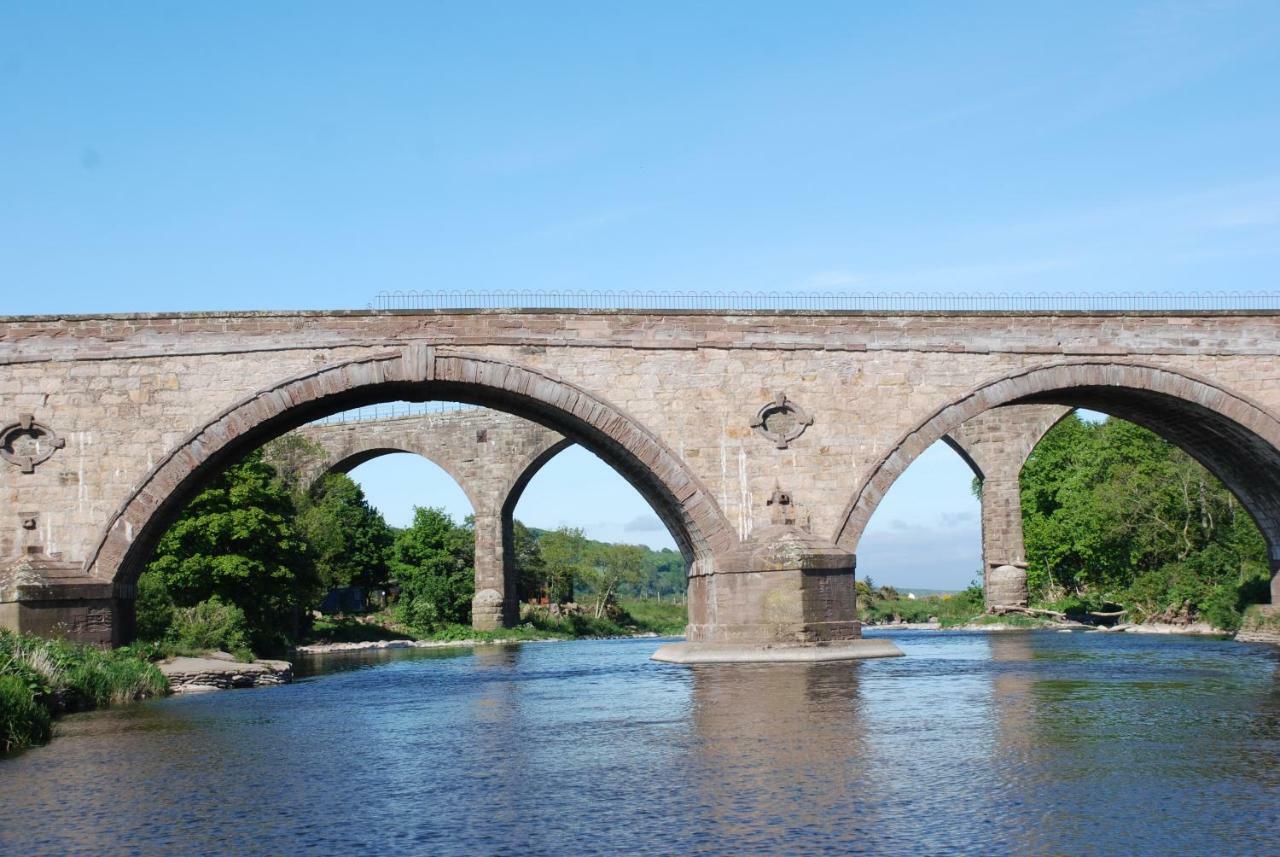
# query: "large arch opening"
[[683, 505], [1234, 439], [925, 537], [577, 498]]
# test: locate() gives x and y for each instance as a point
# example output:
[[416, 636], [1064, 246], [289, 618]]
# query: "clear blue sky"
[[202, 156]]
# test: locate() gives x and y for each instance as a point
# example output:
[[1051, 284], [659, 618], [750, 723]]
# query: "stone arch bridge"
[[763, 439], [492, 455]]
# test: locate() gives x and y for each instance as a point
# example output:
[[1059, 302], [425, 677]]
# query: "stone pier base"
[[45, 597], [746, 653], [490, 611]]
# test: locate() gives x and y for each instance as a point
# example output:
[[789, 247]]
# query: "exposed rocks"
[[1200, 628], [1259, 635], [221, 671]]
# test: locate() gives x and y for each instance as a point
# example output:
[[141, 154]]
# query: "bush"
[[211, 625], [41, 677], [155, 607], [23, 721]]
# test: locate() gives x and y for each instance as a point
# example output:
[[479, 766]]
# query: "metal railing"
[[869, 302], [393, 411]]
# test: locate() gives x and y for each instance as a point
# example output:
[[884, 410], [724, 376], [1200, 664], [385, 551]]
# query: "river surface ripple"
[[1024, 742]]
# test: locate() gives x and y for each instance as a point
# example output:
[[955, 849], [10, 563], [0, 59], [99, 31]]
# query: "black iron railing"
[[870, 302], [394, 411]]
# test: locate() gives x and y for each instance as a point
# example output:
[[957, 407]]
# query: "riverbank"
[[636, 617], [41, 679], [1198, 629]]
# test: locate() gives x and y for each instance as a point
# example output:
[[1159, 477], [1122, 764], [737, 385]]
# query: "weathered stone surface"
[[996, 444], [1007, 586], [214, 673], [48, 597], [745, 653], [149, 405]]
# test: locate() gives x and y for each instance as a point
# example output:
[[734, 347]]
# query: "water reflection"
[[1028, 743], [779, 751]]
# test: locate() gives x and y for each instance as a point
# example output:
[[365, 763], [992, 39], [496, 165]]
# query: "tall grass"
[[40, 678]]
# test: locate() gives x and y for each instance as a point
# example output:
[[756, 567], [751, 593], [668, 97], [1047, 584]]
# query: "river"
[[1021, 742]]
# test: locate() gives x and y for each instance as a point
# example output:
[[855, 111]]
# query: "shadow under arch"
[[961, 450], [417, 373], [1234, 438]]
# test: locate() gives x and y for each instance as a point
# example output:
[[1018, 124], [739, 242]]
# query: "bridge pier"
[[496, 603], [995, 444], [47, 597], [782, 595]]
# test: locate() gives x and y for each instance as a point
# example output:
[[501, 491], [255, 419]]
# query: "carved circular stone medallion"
[[27, 443], [782, 421]]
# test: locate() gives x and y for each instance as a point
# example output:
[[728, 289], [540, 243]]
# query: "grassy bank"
[[40, 679], [635, 616], [950, 610]]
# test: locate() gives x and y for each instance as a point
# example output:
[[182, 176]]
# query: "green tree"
[[433, 562], [611, 568], [531, 570], [236, 541], [349, 540], [665, 575], [564, 557], [1112, 512]]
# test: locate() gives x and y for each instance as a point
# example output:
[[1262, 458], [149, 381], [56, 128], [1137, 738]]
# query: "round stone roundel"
[[27, 443], [782, 421]]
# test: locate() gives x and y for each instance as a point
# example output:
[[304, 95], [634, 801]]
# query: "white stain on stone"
[[724, 463], [744, 485]]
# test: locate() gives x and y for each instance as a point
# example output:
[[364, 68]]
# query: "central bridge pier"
[[763, 439]]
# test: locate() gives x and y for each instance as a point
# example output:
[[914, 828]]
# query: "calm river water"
[[1027, 743]]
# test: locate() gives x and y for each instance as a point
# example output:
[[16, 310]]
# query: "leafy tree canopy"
[[236, 541], [433, 562], [349, 540], [1113, 512]]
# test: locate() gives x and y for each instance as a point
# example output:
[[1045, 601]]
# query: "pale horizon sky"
[[159, 156]]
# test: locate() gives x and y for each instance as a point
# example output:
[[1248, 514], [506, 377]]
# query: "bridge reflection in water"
[[1028, 743]]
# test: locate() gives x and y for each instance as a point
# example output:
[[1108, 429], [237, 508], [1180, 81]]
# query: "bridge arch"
[[490, 456], [1234, 438], [354, 458], [417, 373]]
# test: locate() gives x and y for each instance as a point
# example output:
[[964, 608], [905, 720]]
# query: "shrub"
[[155, 607], [23, 720], [212, 624]]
